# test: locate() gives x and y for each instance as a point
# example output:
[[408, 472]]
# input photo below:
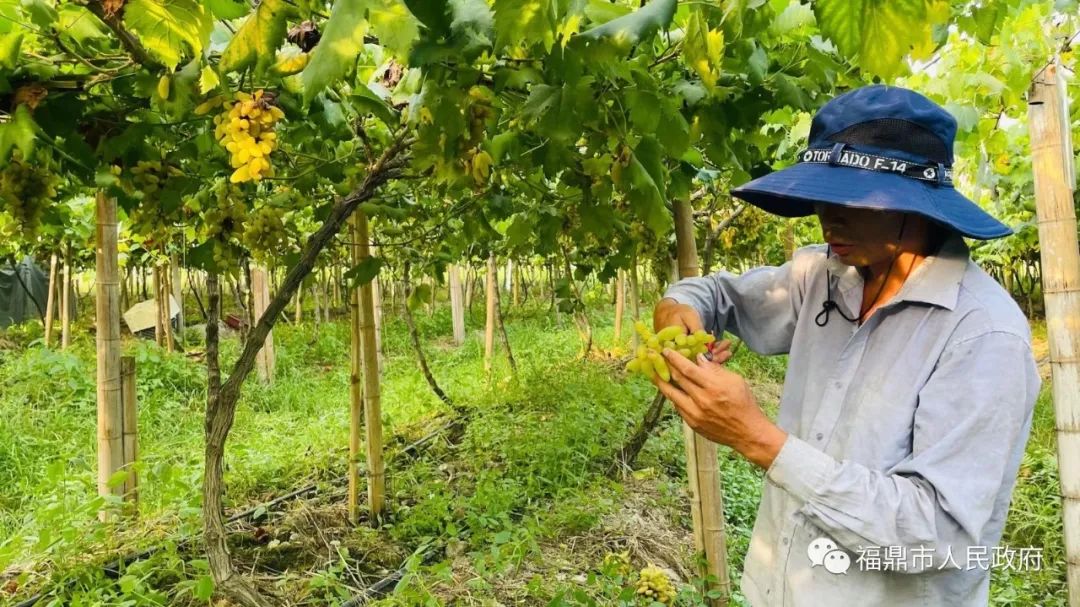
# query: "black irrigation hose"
[[413, 449]]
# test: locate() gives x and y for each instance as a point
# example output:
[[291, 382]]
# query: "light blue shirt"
[[905, 433]]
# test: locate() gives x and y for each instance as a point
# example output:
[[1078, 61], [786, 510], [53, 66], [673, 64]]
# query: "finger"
[[682, 369], [716, 359]]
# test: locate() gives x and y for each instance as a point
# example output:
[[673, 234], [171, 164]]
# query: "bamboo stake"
[[298, 315], [129, 432], [457, 309], [620, 303], [176, 282], [372, 405], [376, 302], [65, 301], [635, 300], [1051, 163], [110, 413], [260, 288], [159, 320], [356, 404], [706, 499], [166, 307], [50, 301], [515, 275], [489, 327]]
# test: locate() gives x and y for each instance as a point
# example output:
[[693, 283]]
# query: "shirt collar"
[[935, 281]]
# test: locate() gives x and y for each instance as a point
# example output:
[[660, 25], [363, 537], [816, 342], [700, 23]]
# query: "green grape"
[[648, 358], [27, 189]]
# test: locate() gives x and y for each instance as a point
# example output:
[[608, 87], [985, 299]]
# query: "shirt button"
[[785, 541], [820, 436], [838, 385]]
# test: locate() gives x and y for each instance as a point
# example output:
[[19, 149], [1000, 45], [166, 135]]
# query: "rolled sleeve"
[[971, 424]]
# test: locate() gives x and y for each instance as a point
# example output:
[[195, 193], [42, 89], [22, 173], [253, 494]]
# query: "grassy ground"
[[516, 510]]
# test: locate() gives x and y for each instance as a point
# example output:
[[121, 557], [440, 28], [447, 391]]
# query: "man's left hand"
[[717, 404]]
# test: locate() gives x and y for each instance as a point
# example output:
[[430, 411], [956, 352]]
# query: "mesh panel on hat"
[[895, 134]]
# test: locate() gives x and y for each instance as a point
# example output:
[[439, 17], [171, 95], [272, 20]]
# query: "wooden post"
[[469, 280], [166, 307], [457, 309], [260, 287], [515, 281], [706, 500], [372, 404], [376, 302], [620, 301], [356, 369], [1051, 163], [159, 306], [298, 314], [65, 301], [110, 412], [489, 326], [635, 299], [129, 429], [50, 301], [176, 282]]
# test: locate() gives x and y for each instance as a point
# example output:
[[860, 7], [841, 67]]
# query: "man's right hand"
[[670, 312]]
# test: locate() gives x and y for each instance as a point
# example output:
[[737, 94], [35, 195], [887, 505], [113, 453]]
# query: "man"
[[910, 385]]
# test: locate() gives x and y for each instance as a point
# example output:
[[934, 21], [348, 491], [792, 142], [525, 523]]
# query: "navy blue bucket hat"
[[878, 147]]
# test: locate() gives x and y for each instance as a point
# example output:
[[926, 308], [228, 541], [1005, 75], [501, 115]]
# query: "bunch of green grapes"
[[264, 232], [655, 585], [246, 130], [27, 190], [149, 175], [225, 213], [649, 360]]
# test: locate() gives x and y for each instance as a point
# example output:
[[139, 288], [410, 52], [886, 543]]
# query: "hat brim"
[[791, 192]]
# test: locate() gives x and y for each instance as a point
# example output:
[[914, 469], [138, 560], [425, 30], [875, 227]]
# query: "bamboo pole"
[[65, 301], [620, 303], [372, 404], [706, 499], [166, 307], [50, 301], [489, 326], [1051, 163], [457, 308], [110, 413], [376, 302], [356, 403], [515, 275], [260, 288], [159, 305], [176, 280], [635, 300], [129, 431]]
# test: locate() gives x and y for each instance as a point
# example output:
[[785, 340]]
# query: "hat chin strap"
[[829, 305]]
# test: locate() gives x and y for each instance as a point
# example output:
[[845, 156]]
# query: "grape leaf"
[[9, 49], [341, 43], [363, 272], [228, 9], [169, 29], [19, 132], [643, 184], [257, 40], [395, 27], [208, 80], [524, 22], [878, 33], [628, 30], [434, 14]]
